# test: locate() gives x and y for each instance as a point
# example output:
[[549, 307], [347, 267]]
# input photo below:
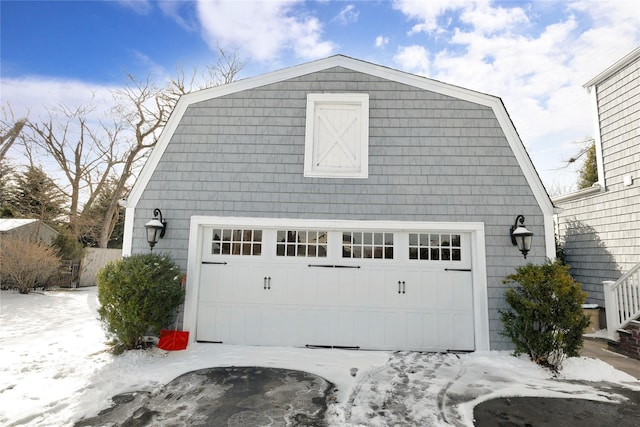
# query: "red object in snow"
[[173, 340]]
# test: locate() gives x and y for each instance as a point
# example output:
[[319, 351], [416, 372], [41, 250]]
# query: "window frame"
[[292, 248], [364, 245], [234, 241], [314, 100], [424, 242]]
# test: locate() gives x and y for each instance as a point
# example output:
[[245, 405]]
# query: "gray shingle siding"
[[600, 236], [601, 232], [431, 158]]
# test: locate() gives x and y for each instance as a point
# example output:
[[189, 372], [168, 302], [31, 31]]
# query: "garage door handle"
[[402, 287], [457, 269], [266, 284], [214, 263]]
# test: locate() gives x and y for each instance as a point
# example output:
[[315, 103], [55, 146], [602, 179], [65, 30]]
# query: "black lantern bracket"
[[520, 236], [155, 228]]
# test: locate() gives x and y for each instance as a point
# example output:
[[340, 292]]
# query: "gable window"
[[337, 135]]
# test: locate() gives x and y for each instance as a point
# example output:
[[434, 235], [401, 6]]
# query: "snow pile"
[[586, 369], [55, 370]]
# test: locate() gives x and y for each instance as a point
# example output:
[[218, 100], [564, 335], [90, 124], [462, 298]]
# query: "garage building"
[[341, 203]]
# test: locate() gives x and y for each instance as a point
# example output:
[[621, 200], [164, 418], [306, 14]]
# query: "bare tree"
[[226, 68], [146, 108], [585, 146], [10, 130], [94, 218], [93, 155], [86, 154]]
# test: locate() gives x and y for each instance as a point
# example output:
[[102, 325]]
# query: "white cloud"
[[609, 12], [175, 9], [151, 69], [479, 13], [428, 12], [539, 74], [141, 7], [615, 31], [381, 41], [486, 19], [180, 11], [262, 29], [34, 97], [31, 96], [347, 15], [413, 58]]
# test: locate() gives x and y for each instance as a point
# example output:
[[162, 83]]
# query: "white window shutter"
[[337, 136]]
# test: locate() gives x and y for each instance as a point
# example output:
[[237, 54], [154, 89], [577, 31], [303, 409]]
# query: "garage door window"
[[302, 243], [227, 241], [435, 247], [357, 244]]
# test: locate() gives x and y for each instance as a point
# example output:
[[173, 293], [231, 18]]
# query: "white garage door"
[[365, 288]]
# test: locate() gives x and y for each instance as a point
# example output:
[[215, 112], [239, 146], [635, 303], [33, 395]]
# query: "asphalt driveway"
[[230, 396], [411, 389], [549, 412]]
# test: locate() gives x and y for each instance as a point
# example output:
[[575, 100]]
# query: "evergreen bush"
[[139, 296], [546, 320], [68, 247]]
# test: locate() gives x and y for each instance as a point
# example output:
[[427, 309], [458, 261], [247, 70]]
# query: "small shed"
[[27, 228]]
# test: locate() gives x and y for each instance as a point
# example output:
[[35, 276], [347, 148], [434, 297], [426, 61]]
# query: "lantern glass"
[[154, 228], [522, 238]]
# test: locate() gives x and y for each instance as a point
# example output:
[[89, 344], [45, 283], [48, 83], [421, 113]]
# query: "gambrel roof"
[[419, 82]]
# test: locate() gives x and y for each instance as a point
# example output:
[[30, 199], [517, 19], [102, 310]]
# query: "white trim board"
[[611, 70]]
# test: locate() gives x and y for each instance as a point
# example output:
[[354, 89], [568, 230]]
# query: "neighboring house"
[[600, 226], [27, 228], [342, 203]]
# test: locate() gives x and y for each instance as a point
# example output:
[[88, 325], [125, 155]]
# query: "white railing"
[[622, 301]]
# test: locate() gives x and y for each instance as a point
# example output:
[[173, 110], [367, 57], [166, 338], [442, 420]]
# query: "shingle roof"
[[7, 224]]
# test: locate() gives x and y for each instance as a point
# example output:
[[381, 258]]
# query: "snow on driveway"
[[55, 370]]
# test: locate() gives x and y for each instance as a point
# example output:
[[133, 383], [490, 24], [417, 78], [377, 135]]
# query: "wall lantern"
[[155, 228], [520, 236]]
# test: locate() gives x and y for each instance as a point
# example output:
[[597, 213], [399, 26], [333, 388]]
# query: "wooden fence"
[[93, 259]]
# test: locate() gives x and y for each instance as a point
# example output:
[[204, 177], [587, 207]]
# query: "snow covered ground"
[[54, 370]]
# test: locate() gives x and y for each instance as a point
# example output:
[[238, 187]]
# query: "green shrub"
[[68, 246], [139, 296], [546, 321]]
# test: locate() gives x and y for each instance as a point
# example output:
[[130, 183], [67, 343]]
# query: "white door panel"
[[390, 304]]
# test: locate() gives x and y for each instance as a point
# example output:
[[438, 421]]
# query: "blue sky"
[[535, 55]]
